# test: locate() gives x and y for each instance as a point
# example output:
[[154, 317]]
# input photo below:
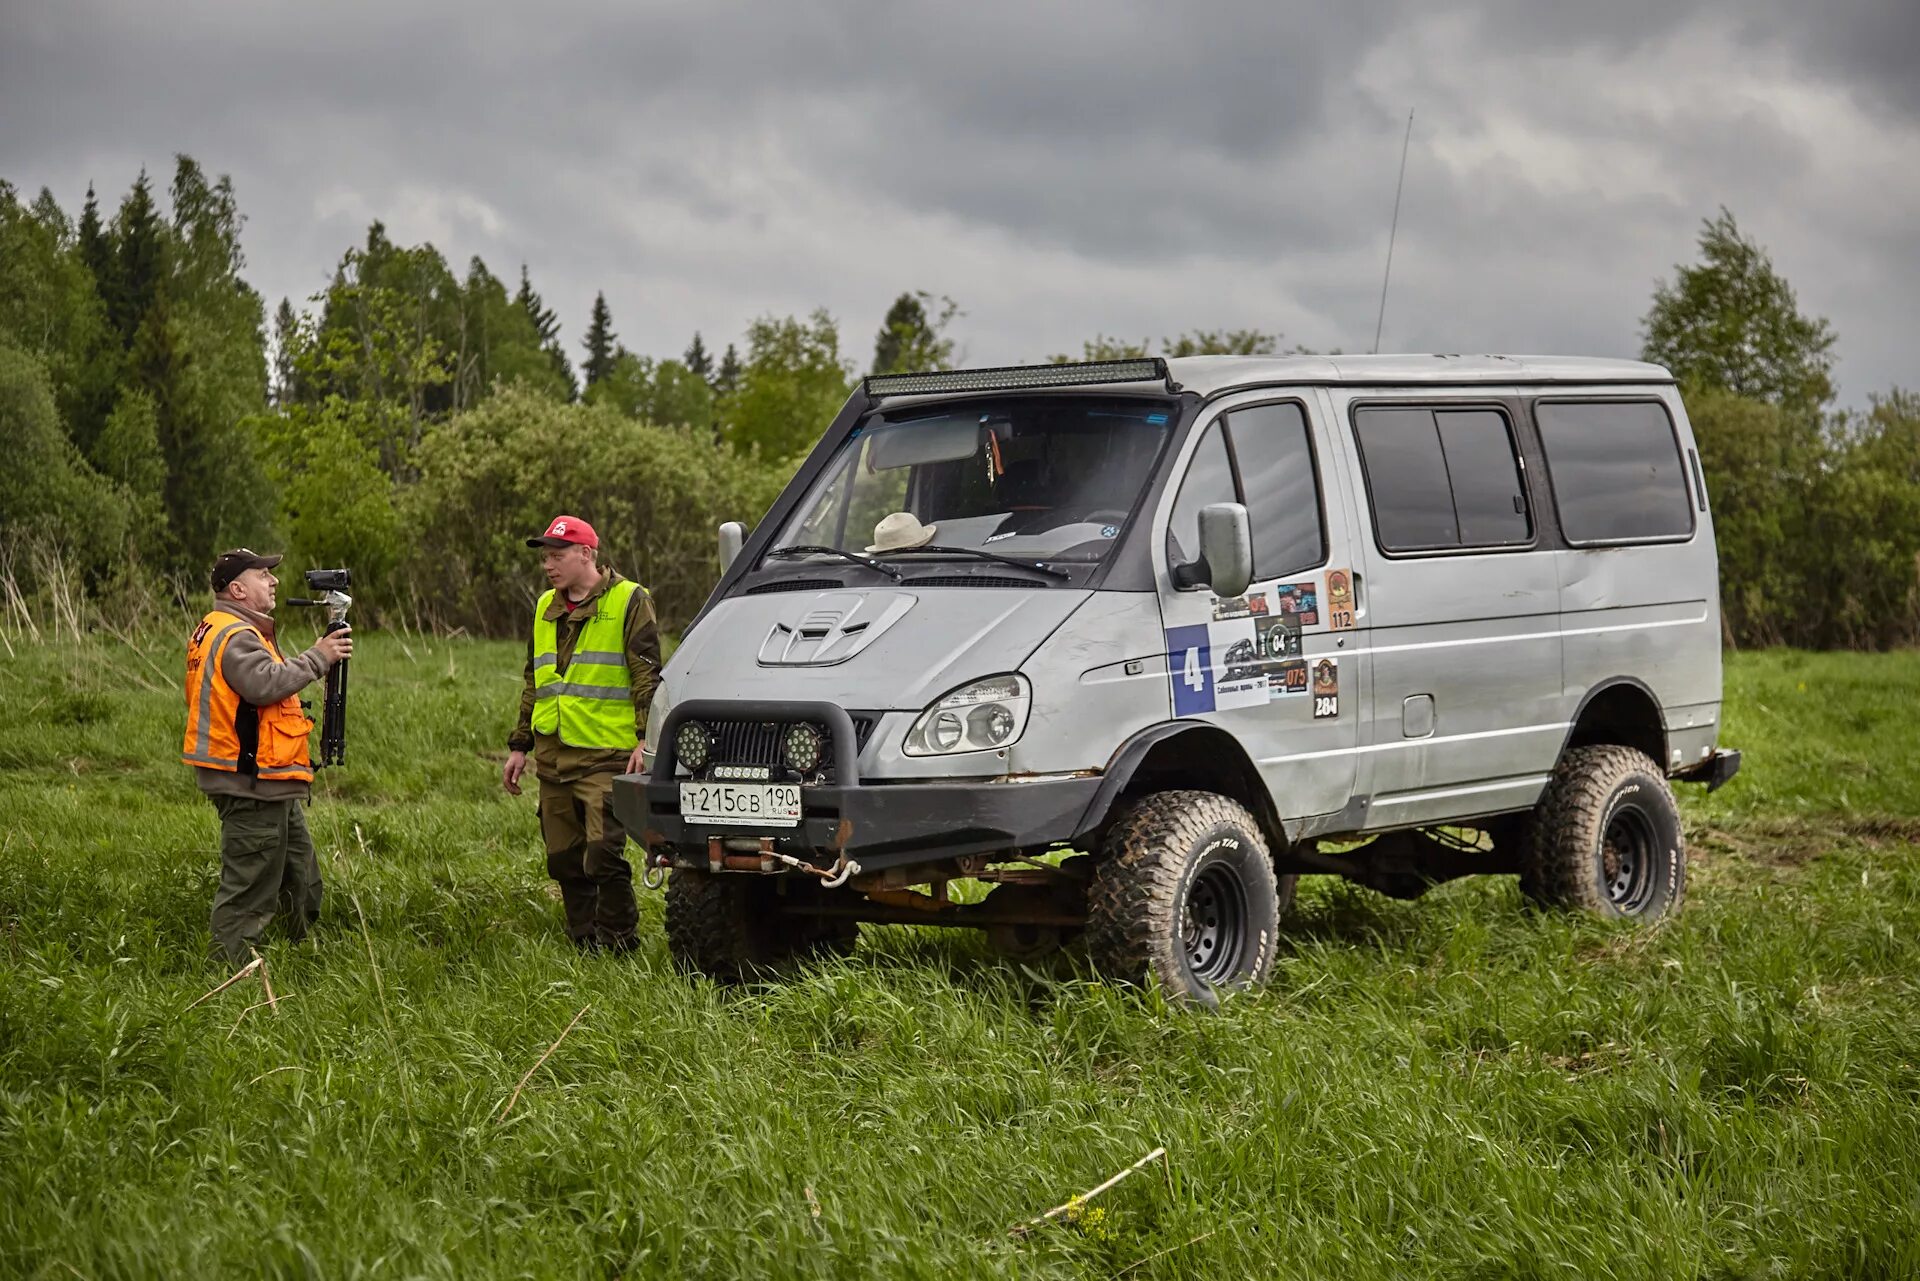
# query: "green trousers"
[[586, 853], [267, 865]]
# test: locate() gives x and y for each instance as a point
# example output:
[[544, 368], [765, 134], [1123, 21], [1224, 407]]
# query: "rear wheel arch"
[[1620, 712]]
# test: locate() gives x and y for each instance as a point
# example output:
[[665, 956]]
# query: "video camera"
[[332, 584]]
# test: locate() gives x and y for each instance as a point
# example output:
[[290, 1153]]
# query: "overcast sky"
[[1059, 169]]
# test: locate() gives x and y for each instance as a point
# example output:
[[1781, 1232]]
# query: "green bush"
[[1818, 523], [492, 477]]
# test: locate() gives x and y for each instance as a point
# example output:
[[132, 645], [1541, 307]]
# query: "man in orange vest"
[[247, 742]]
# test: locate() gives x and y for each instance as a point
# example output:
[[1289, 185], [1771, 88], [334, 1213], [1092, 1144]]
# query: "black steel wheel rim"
[[1629, 853], [1213, 924]]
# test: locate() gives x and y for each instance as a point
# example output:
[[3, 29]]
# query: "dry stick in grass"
[[238, 974], [1022, 1229], [1169, 1250], [514, 1097], [250, 1009]]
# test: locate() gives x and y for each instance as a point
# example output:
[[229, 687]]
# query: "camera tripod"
[[332, 584]]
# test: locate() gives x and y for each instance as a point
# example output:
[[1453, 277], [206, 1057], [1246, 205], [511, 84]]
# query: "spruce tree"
[[728, 378], [548, 324], [139, 262], [286, 338], [600, 343], [95, 249], [698, 359]]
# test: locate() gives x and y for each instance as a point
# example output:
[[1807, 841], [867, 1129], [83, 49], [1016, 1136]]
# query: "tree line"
[[412, 421]]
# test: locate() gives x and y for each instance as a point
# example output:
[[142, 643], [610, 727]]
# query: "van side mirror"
[[1226, 549], [733, 535]]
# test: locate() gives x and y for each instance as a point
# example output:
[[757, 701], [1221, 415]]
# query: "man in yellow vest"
[[247, 742], [592, 663]]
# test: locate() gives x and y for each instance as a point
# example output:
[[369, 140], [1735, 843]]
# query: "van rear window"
[[1616, 470]]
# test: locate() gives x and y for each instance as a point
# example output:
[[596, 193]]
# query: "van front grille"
[[760, 742]]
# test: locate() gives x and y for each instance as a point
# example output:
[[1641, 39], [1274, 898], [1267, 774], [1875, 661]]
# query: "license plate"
[[751, 804]]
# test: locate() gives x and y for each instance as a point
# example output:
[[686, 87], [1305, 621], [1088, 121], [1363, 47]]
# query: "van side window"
[[1442, 479], [1209, 479], [1615, 469], [1275, 464]]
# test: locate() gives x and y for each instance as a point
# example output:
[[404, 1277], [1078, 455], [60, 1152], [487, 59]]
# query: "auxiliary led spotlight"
[[693, 745], [802, 747]]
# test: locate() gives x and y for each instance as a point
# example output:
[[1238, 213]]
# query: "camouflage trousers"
[[267, 866], [586, 854]]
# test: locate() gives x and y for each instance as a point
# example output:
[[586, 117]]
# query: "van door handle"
[[1359, 595]]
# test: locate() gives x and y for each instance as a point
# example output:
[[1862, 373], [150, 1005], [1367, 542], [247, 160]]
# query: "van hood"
[[879, 649]]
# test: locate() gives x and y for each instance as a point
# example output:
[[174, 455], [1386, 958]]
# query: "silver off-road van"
[[1214, 623]]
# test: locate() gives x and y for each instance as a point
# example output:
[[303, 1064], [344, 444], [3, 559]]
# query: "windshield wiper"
[[814, 549], [1038, 566]]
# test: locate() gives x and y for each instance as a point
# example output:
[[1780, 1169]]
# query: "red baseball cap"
[[566, 530]]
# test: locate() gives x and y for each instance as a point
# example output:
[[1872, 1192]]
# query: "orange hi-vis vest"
[[223, 731]]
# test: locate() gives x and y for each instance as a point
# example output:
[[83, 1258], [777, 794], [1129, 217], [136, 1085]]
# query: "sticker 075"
[[1291, 678], [1326, 688], [1339, 599]]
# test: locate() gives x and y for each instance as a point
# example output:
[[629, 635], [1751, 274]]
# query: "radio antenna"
[[1393, 232]]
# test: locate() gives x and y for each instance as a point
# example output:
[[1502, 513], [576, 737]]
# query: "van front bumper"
[[878, 824]]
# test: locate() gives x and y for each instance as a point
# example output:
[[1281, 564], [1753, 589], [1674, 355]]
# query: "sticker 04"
[[1277, 637], [1339, 599], [1190, 664], [1299, 600], [1252, 605], [1326, 688]]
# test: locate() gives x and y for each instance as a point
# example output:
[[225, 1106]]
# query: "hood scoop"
[[831, 628]]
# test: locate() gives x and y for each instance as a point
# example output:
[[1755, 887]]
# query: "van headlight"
[[979, 717], [656, 717]]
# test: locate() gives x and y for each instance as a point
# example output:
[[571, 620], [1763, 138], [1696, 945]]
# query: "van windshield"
[[1051, 478]]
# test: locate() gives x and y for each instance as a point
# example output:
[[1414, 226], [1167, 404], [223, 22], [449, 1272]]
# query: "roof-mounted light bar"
[[1081, 373]]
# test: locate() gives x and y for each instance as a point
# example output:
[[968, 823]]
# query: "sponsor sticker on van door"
[[1299, 601], [1340, 599], [1326, 688]]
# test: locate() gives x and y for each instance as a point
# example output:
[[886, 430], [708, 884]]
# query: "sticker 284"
[[1326, 688]]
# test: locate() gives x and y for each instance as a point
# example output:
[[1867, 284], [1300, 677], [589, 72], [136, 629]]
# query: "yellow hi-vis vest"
[[589, 703]]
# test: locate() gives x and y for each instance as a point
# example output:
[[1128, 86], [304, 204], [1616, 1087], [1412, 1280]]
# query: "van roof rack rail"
[[1074, 373]]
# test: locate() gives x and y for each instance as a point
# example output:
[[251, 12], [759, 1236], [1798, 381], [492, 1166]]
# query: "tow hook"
[[654, 870], [830, 878]]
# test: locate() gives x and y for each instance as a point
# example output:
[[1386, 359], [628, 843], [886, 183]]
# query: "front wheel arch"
[[1179, 756]]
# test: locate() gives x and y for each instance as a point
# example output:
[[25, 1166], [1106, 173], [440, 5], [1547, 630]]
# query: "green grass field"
[[1454, 1087]]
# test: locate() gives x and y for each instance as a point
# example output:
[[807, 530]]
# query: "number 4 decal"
[[1190, 663]]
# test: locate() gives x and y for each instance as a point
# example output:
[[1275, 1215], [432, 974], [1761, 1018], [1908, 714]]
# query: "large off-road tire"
[[1606, 838], [1185, 891], [727, 925]]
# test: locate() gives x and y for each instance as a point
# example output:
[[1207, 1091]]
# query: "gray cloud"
[[1060, 168]]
